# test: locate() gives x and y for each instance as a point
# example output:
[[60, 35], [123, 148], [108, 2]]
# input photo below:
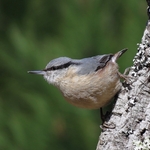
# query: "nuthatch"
[[88, 82]]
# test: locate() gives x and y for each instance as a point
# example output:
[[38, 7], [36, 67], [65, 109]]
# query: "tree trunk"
[[129, 123]]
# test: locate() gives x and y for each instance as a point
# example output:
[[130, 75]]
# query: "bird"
[[88, 83]]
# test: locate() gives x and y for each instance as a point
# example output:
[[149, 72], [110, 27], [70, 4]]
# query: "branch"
[[131, 114]]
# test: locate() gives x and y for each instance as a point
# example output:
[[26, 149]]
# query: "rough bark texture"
[[129, 123]]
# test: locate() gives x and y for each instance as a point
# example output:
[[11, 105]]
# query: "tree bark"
[[129, 123]]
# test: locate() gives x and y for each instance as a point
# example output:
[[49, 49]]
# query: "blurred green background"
[[33, 114]]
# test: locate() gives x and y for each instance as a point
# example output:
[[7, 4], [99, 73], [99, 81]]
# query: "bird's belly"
[[92, 99], [92, 91]]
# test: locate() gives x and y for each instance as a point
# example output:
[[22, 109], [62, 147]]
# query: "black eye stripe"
[[59, 67]]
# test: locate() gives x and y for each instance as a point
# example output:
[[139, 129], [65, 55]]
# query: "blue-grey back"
[[85, 65]]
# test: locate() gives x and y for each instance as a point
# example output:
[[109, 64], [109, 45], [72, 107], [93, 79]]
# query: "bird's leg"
[[104, 123], [102, 115], [125, 75], [127, 71]]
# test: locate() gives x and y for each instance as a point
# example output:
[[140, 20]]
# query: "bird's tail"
[[118, 54]]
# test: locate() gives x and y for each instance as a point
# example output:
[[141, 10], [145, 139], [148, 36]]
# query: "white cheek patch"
[[50, 77], [53, 77]]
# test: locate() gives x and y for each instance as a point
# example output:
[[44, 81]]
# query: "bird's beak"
[[39, 72]]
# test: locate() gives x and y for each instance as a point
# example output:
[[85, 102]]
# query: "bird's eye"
[[52, 68], [61, 67]]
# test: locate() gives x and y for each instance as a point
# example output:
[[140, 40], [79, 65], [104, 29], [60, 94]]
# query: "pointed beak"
[[39, 72]]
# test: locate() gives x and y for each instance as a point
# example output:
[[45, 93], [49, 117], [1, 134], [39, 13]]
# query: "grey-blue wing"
[[93, 64]]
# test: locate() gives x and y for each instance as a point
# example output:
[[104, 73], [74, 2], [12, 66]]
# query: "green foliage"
[[33, 114]]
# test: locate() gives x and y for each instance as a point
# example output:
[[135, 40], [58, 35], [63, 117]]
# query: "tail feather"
[[118, 54]]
